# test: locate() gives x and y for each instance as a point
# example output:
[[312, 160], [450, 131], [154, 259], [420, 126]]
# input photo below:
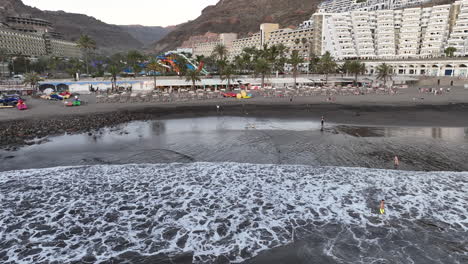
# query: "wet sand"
[[248, 139]]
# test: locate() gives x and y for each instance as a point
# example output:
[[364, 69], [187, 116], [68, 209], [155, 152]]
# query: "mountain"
[[239, 16], [109, 38], [146, 35]]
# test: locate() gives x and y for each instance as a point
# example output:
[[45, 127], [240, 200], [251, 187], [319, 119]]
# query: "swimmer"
[[382, 207]]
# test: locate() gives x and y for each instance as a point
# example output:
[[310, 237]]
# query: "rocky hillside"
[[240, 16], [146, 35], [109, 38]]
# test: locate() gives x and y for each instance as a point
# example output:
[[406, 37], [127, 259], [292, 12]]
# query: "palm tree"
[[74, 66], [220, 52], [449, 51], [86, 43], [295, 61], [32, 79], [155, 67], [192, 76], [134, 57], [228, 74], [356, 68], [262, 68], [384, 71], [327, 65], [313, 62]]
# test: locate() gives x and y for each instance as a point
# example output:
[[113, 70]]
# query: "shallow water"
[[231, 212], [250, 139]]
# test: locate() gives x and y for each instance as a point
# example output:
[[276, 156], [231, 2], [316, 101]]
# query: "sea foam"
[[210, 210]]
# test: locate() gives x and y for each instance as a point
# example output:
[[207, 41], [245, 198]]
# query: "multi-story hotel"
[[338, 6], [298, 39], [392, 34], [206, 48], [33, 38]]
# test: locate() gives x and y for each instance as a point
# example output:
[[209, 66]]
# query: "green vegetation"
[[295, 61], [450, 51], [86, 43], [384, 72], [326, 65], [32, 79], [354, 67], [192, 76], [154, 67]]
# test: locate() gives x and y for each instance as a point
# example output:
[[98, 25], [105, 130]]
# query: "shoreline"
[[16, 132]]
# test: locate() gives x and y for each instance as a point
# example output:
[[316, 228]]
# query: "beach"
[[257, 181], [409, 108]]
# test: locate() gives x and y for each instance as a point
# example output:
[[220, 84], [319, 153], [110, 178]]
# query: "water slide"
[[172, 63], [199, 67]]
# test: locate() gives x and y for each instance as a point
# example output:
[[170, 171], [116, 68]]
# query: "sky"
[[130, 12]]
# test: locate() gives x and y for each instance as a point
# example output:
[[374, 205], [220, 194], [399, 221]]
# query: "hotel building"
[[392, 34], [33, 38], [338, 6], [206, 48]]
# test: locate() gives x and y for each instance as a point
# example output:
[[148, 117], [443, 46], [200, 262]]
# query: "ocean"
[[217, 212]]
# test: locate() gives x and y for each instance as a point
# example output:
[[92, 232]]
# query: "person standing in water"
[[382, 207], [323, 121], [396, 162]]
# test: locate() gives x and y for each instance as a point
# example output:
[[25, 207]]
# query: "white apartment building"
[[436, 31], [384, 32], [338, 6], [409, 37], [459, 35], [392, 34]]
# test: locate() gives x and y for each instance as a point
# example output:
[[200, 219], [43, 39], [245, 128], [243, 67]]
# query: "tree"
[[228, 74], [262, 68], [313, 62], [134, 58], [86, 43], [32, 79], [295, 61], [449, 51], [356, 68], [220, 52], [74, 66], [384, 71], [192, 76], [327, 65], [155, 68]]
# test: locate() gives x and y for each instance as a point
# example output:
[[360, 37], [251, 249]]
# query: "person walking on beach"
[[323, 121], [382, 206], [396, 162]]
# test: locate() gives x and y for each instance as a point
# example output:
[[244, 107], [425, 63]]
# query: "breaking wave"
[[230, 211]]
